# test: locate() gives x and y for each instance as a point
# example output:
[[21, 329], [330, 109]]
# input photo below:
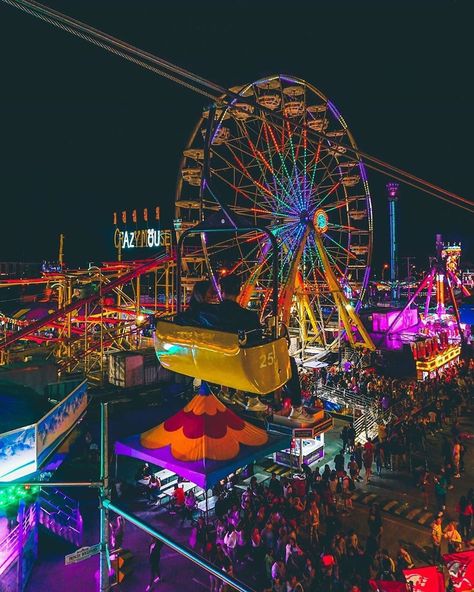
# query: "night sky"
[[84, 133]]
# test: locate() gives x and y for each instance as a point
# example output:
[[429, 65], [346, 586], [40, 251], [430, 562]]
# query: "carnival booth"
[[203, 443], [307, 444], [434, 355]]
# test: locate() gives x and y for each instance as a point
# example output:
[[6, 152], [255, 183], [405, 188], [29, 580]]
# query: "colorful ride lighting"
[[392, 189], [439, 360], [141, 318], [320, 221]]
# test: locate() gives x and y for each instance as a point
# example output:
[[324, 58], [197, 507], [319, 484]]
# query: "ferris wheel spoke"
[[260, 158], [268, 129], [343, 203], [342, 248], [241, 192], [329, 175], [329, 193], [289, 239], [265, 191], [341, 227], [315, 166], [271, 153], [295, 166], [276, 150], [289, 287]]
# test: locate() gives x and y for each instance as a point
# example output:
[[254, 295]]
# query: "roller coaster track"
[[51, 319]]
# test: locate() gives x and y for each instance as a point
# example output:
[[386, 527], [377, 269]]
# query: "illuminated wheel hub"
[[320, 221]]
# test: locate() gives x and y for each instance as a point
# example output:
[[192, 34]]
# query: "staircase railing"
[[344, 397], [60, 514], [9, 547]]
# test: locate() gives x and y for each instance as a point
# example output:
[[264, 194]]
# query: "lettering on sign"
[[142, 239], [81, 554], [303, 433]]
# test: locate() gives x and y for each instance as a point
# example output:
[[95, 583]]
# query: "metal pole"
[[392, 189], [55, 484], [104, 585], [188, 553]]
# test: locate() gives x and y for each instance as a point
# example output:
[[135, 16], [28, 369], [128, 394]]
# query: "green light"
[[13, 494]]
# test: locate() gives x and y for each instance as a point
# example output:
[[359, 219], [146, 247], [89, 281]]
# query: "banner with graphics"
[[424, 579], [52, 428], [17, 453], [461, 570]]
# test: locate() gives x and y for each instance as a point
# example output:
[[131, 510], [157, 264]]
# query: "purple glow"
[[392, 189], [363, 172], [381, 321], [282, 77], [364, 284], [334, 110]]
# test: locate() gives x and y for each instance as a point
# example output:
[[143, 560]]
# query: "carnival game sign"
[[461, 570]]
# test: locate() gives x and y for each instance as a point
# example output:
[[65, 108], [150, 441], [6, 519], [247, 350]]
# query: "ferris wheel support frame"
[[346, 310]]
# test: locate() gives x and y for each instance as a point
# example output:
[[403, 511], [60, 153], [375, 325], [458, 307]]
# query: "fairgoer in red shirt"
[[178, 496]]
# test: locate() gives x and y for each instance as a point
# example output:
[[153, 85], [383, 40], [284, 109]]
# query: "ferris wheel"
[[265, 165]]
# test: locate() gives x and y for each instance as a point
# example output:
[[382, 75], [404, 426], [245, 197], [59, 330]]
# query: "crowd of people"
[[297, 535], [290, 533]]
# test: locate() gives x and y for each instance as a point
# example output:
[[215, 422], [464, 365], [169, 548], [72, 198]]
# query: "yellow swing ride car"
[[221, 357]]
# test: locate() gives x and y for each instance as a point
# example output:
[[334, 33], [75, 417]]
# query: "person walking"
[[456, 458], [353, 469], [348, 486], [153, 489], [425, 487], [358, 450], [351, 436], [374, 522], [189, 507], [465, 512], [230, 542], [440, 493], [344, 437], [379, 458], [452, 535], [368, 459], [339, 463], [404, 561], [117, 528], [154, 558], [436, 540], [314, 522]]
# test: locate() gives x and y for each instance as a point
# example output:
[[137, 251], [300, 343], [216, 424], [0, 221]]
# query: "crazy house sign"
[[144, 235], [143, 238]]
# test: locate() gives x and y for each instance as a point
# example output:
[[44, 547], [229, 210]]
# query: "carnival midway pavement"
[[402, 511]]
